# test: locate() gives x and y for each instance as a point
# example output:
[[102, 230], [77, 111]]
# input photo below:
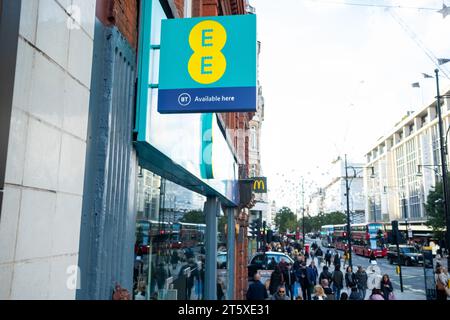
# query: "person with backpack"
[[337, 280]]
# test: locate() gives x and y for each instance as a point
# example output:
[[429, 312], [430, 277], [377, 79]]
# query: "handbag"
[[391, 296], [439, 285], [447, 291]]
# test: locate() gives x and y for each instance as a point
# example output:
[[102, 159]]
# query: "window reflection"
[[170, 236]]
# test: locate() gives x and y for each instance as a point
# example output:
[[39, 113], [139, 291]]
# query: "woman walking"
[[387, 288]]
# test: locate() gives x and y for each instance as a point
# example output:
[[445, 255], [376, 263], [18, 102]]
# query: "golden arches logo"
[[207, 64], [259, 185]]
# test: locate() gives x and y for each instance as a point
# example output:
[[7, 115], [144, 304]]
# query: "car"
[[409, 255], [326, 244], [264, 261]]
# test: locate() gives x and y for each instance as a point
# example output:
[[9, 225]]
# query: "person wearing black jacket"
[[256, 290], [350, 278], [337, 259], [328, 258], [361, 281], [325, 274], [304, 282], [289, 280], [276, 279], [386, 286]]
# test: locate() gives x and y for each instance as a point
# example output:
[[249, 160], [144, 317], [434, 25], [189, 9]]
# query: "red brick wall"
[[123, 14], [210, 8], [180, 7]]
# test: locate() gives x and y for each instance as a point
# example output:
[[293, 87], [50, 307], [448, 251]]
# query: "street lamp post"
[[303, 212], [347, 189], [347, 195], [374, 210], [443, 164]]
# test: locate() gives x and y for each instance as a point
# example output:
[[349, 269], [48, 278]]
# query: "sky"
[[336, 76]]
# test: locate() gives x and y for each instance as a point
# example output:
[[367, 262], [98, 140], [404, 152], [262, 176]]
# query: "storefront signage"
[[259, 185], [208, 65]]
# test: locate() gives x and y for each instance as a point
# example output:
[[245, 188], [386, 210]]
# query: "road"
[[413, 276]]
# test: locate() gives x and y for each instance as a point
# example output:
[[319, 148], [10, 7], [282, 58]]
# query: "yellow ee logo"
[[207, 64]]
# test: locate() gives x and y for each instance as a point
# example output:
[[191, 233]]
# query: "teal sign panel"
[[208, 64]]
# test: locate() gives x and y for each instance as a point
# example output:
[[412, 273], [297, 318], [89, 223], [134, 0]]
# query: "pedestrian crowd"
[[303, 281]]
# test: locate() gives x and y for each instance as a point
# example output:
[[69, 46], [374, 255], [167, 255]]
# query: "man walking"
[[256, 290], [361, 281]]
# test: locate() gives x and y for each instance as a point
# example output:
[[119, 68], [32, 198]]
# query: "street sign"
[[259, 185], [208, 65], [410, 234]]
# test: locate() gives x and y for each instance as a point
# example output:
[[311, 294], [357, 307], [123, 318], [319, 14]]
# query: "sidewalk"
[[409, 295]]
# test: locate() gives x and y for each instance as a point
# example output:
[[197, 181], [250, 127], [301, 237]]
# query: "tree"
[[316, 222], [435, 210], [194, 216], [285, 220]]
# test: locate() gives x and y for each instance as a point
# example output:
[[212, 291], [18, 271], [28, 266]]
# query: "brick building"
[[71, 158]]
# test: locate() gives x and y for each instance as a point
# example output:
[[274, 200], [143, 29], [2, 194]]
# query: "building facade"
[[41, 211], [406, 164], [332, 197], [86, 201]]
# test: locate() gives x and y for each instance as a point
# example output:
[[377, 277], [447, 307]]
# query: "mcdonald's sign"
[[259, 185]]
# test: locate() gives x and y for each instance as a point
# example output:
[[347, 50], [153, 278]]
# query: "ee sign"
[[208, 65]]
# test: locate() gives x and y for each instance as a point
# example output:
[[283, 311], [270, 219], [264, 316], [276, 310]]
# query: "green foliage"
[[285, 220], [221, 222], [435, 210], [313, 224], [195, 216]]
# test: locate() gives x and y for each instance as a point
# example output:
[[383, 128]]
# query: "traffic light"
[[394, 231], [269, 237], [254, 229]]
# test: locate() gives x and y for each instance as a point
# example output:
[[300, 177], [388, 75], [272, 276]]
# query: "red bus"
[[189, 234], [339, 236], [366, 238]]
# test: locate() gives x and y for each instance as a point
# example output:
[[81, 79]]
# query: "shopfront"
[[187, 179]]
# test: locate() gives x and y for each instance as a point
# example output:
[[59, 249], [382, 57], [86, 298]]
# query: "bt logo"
[[207, 64], [184, 99]]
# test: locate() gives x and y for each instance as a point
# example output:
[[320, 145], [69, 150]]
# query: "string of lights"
[[371, 5]]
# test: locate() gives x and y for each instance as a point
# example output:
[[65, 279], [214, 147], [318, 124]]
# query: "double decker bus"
[[189, 234], [154, 232], [339, 236], [326, 232], [366, 238]]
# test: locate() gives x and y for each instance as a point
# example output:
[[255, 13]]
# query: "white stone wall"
[[41, 212]]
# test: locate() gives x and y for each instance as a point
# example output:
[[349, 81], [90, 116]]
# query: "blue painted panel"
[[106, 252]]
